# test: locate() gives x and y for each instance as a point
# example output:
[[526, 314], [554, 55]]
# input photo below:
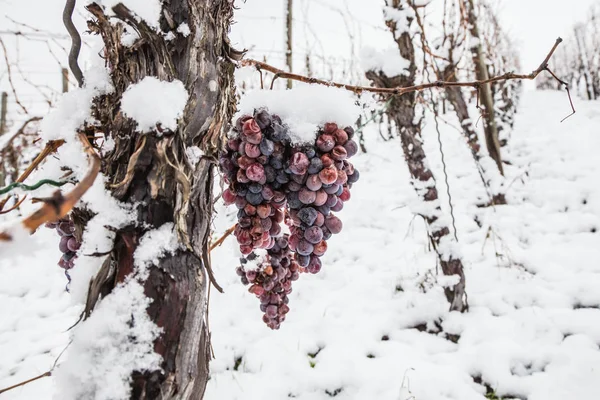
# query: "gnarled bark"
[[152, 173]]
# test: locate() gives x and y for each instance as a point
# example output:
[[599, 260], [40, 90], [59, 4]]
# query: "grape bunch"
[[68, 244], [270, 276], [270, 180], [321, 178], [252, 165]]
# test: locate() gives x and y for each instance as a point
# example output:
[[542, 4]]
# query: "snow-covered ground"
[[375, 316], [371, 317]]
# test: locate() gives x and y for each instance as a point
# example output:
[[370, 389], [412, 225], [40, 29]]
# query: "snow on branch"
[[260, 66]]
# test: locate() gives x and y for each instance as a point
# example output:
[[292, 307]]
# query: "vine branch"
[[406, 89]]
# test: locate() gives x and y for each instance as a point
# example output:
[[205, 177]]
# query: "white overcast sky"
[[319, 27]]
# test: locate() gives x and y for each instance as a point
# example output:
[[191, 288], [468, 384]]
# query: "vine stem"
[[404, 89]]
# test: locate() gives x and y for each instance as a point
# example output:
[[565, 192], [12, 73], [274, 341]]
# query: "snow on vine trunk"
[[402, 110]]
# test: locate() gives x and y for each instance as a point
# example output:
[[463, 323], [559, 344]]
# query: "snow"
[[156, 244], [389, 61], [147, 10], [152, 101], [304, 108], [103, 355], [116, 340], [194, 154], [531, 272], [184, 29]]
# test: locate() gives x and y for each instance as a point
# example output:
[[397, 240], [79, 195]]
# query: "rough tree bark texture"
[[151, 172], [485, 93], [402, 111]]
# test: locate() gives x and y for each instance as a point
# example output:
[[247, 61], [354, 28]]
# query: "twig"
[[568, 92], [10, 81], [19, 202], [45, 374], [222, 238], [20, 131], [407, 89], [76, 41], [58, 206], [50, 148]]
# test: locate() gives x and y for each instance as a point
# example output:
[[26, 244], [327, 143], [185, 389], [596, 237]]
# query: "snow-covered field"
[[375, 316], [374, 323]]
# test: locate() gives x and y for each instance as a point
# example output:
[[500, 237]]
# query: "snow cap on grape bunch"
[[272, 179]]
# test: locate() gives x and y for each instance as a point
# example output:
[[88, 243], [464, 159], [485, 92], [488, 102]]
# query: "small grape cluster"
[[321, 181], [270, 276], [271, 181], [68, 244]]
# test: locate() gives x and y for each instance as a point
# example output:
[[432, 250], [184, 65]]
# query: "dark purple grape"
[[299, 163], [313, 235], [351, 148], [333, 223], [267, 147], [304, 248], [254, 198], [315, 165], [350, 131], [263, 119], [354, 177], [313, 182], [63, 244], [307, 215], [255, 187], [306, 196]]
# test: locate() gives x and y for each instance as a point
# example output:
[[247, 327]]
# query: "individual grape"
[[313, 235], [325, 143], [340, 136], [304, 247], [255, 188], [345, 195], [316, 165], [263, 119], [320, 248], [299, 163], [338, 206], [267, 147], [306, 196], [228, 196], [333, 223], [308, 215], [354, 177], [328, 175], [339, 153], [314, 182], [250, 127], [62, 245], [255, 172], [331, 200], [350, 131], [320, 198], [351, 148], [329, 128], [315, 265]]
